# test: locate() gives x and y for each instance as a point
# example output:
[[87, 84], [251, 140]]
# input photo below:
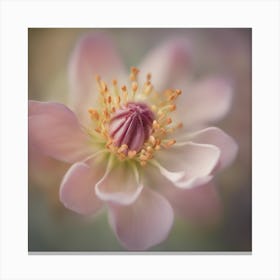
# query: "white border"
[[17, 16]]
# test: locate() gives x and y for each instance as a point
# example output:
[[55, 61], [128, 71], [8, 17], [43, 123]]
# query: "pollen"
[[133, 121]]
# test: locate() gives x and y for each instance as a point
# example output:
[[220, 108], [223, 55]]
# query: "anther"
[[172, 107], [152, 140], [131, 153], [168, 121], [122, 148], [93, 114], [155, 124], [169, 143]]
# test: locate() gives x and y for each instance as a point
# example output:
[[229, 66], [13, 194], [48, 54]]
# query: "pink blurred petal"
[[200, 206], [144, 223], [55, 130], [77, 189], [206, 102], [120, 184], [95, 54], [220, 139], [168, 63], [189, 164]]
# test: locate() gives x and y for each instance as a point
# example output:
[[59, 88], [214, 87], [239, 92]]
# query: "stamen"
[[125, 94], [131, 153], [134, 87], [169, 143], [93, 114], [134, 74]]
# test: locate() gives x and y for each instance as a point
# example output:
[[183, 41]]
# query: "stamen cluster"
[[134, 122]]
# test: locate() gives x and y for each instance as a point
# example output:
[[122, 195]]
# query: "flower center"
[[134, 122], [131, 126]]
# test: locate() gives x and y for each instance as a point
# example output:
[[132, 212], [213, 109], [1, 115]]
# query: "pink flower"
[[134, 143]]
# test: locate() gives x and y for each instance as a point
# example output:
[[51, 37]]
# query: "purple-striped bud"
[[131, 125]]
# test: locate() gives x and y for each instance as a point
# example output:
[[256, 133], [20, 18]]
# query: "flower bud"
[[131, 125]]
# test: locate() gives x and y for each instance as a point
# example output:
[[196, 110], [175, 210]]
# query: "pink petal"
[[120, 184], [220, 139], [200, 206], [188, 165], [94, 55], [168, 63], [77, 189], [207, 101], [54, 129], [144, 223]]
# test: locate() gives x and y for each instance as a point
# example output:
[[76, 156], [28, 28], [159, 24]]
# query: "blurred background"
[[51, 227]]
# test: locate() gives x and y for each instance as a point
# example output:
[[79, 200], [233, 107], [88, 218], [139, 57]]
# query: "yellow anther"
[[121, 156], [169, 143], [133, 73], [125, 94], [97, 129], [122, 148], [157, 147], [143, 162], [143, 157], [152, 140], [109, 144], [93, 114], [155, 124], [134, 70], [172, 107], [149, 149], [178, 91], [131, 153], [171, 97], [168, 121], [106, 114], [109, 99], [180, 125]]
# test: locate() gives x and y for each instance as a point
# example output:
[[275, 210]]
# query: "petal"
[[144, 223], [189, 164], [54, 129], [120, 184], [200, 206], [77, 189], [207, 101], [94, 55], [169, 62], [220, 139]]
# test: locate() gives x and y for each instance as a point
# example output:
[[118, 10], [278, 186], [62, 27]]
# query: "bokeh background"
[[226, 51]]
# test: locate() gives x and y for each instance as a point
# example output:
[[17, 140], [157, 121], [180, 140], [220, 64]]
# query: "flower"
[[134, 142]]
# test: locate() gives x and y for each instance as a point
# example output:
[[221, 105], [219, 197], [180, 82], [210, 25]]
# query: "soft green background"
[[51, 227]]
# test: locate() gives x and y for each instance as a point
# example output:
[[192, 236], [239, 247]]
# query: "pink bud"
[[131, 125]]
